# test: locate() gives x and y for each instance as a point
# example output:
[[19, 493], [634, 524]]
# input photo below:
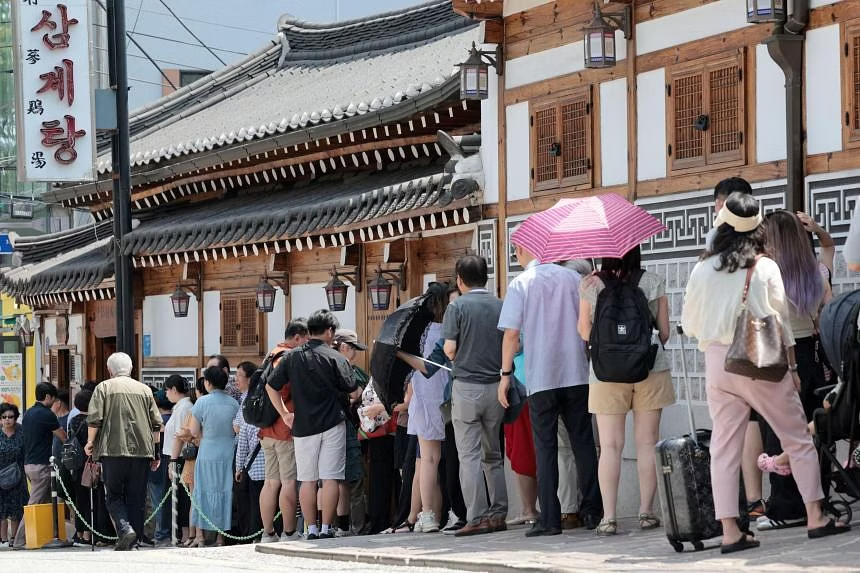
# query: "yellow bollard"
[[39, 524]]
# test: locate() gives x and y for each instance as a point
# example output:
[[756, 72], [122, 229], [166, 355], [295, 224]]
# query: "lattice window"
[[706, 114], [239, 323], [851, 84], [561, 142]]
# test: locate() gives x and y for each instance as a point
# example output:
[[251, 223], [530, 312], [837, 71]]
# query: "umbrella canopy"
[[590, 227], [402, 330]]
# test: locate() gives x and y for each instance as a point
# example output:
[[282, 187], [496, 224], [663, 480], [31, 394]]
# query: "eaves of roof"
[[41, 247]]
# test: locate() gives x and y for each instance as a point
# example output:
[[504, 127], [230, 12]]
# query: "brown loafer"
[[498, 523], [477, 528], [570, 521]]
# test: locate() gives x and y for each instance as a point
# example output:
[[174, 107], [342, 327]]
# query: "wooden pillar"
[[632, 110], [501, 235]]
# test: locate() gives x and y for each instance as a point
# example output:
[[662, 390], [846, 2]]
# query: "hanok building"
[[334, 152], [659, 100]]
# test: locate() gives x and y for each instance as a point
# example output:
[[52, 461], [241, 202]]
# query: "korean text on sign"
[[56, 133]]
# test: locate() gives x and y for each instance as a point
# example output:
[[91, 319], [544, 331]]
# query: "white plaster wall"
[[426, 280], [211, 322], [613, 131], [169, 335], [688, 25], [552, 63], [515, 6], [770, 107], [489, 141], [276, 320], [76, 331], [517, 153], [49, 327], [308, 298], [651, 124], [823, 90]]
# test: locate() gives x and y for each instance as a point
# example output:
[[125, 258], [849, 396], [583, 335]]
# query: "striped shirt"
[[245, 446]]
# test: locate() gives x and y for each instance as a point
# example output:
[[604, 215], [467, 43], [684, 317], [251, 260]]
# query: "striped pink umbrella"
[[590, 227]]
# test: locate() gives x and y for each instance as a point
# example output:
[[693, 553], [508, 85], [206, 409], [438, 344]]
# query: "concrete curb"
[[386, 558]]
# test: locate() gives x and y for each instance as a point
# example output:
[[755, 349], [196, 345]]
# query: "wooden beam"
[[484, 10], [632, 116], [551, 86], [493, 32]]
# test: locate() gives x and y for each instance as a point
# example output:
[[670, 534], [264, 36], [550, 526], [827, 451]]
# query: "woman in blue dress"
[[212, 423]]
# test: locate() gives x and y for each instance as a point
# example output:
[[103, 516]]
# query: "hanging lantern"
[[762, 11], [26, 333], [599, 36], [265, 296], [474, 76], [335, 292], [380, 292], [179, 299]]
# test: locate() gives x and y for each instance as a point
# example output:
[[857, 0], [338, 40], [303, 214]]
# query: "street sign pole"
[[118, 72]]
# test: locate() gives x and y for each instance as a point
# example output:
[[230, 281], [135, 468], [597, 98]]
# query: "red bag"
[[389, 427]]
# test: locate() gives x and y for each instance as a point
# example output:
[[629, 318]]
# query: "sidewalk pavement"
[[581, 550]]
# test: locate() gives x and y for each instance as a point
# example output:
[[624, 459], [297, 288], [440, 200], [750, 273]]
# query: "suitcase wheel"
[[698, 545], [677, 546]]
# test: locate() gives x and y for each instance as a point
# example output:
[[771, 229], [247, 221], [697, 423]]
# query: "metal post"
[[123, 273], [57, 542]]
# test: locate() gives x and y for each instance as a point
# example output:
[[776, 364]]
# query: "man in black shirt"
[[39, 425], [319, 376]]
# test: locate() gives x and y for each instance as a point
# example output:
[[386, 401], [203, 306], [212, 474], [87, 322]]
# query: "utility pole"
[[123, 273]]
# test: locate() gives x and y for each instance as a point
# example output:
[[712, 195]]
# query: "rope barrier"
[[167, 495]]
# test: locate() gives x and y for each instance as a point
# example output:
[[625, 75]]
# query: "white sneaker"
[[764, 523], [343, 532], [451, 524], [270, 538], [294, 537], [427, 522]]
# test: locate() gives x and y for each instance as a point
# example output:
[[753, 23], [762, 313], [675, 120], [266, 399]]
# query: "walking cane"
[[56, 543]]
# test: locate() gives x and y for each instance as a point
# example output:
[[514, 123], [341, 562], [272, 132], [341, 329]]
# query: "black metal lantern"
[[179, 299], [335, 292], [599, 36], [475, 72], [265, 296], [380, 291], [25, 332], [762, 11]]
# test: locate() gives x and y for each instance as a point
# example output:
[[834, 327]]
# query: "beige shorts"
[[280, 459], [321, 456], [653, 393]]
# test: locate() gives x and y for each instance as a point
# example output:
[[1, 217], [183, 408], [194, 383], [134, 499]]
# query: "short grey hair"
[[119, 364], [581, 266]]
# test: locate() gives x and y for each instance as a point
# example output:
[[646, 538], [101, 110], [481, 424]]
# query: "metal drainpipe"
[[785, 47]]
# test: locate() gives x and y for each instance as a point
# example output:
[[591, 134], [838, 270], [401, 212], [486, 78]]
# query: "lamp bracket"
[[620, 21], [353, 276], [495, 58], [397, 275], [281, 280]]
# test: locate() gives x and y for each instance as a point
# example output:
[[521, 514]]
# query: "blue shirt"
[[245, 446], [543, 304]]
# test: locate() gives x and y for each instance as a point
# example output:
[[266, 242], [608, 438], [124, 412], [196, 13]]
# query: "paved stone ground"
[[581, 550]]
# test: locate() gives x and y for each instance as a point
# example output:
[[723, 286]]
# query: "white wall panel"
[[49, 331], [76, 331], [490, 138], [689, 25], [651, 124], [169, 336], [517, 154], [211, 322], [770, 108], [823, 90], [306, 299], [552, 63], [276, 320], [613, 132]]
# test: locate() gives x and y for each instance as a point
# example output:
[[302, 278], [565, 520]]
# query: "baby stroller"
[[839, 338]]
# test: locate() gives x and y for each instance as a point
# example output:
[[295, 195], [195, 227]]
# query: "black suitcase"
[[684, 483]]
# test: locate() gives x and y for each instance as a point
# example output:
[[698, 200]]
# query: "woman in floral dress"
[[11, 452]]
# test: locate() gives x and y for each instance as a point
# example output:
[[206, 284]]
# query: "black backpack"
[[73, 456], [620, 343], [257, 409]]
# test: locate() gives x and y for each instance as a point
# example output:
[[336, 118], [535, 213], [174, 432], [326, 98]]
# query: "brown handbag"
[[91, 473], [757, 351]]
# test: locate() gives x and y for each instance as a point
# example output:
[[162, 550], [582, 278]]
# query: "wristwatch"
[[792, 367], [506, 372]]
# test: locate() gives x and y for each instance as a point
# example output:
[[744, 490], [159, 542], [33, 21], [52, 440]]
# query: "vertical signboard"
[[12, 379], [54, 104]]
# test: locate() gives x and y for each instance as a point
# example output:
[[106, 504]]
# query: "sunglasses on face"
[[7, 417]]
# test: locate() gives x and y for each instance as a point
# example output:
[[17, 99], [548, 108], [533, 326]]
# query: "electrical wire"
[[193, 35], [175, 41], [207, 22]]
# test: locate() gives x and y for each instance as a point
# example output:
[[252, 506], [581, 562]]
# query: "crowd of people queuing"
[[335, 462]]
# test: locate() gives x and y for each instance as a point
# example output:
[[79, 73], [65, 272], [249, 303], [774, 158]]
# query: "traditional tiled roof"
[[333, 73], [358, 207], [85, 272], [41, 247]]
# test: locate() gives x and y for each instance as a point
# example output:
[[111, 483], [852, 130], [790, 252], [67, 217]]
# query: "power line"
[[187, 29], [175, 41], [179, 65], [207, 22]]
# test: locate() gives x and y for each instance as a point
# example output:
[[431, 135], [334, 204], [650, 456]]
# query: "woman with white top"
[[177, 389], [711, 307]]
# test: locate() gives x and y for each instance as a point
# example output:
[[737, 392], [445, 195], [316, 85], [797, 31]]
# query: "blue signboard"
[[147, 345], [5, 244]]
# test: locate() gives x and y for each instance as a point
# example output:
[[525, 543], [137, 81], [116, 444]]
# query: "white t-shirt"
[[180, 411]]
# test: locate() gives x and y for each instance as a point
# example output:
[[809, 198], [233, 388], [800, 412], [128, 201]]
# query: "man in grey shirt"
[[474, 345]]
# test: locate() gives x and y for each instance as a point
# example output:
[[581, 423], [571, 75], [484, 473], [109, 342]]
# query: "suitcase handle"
[[680, 331]]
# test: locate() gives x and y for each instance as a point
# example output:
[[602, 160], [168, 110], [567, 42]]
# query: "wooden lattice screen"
[[229, 322], [248, 308], [561, 142], [706, 113]]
